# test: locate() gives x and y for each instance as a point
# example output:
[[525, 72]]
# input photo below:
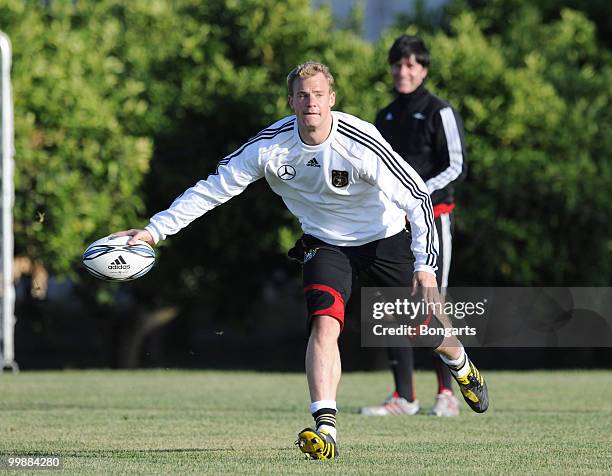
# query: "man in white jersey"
[[351, 194]]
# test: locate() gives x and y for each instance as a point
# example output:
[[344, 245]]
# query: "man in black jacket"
[[428, 134]]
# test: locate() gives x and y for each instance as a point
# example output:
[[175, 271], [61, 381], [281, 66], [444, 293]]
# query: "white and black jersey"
[[350, 190]]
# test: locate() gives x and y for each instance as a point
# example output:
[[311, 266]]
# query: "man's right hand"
[[136, 234]]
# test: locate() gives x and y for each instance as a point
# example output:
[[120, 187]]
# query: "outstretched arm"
[[232, 175]]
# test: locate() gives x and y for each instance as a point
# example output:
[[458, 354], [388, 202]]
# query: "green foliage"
[[78, 168], [534, 90], [495, 16], [536, 103], [122, 105]]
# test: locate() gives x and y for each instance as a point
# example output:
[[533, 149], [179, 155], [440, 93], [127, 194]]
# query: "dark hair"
[[407, 45]]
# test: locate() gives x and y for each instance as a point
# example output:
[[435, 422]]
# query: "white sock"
[[460, 366], [316, 406]]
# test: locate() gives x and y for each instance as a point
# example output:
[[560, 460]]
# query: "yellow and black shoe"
[[474, 389], [317, 444]]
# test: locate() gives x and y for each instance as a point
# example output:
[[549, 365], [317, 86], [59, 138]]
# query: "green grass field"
[[159, 422]]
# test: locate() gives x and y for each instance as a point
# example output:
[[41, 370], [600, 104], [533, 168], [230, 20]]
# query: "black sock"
[[325, 416], [401, 361]]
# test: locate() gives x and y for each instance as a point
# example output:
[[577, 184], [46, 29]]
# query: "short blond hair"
[[306, 70]]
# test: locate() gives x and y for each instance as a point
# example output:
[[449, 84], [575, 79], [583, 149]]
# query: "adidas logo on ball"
[[119, 263], [112, 259]]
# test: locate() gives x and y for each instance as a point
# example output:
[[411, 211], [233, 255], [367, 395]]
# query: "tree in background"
[[535, 96], [78, 167], [496, 16], [122, 105], [158, 90]]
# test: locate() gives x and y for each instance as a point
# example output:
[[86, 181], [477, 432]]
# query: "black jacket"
[[429, 135]]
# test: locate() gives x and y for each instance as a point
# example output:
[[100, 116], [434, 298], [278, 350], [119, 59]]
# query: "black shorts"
[[329, 270]]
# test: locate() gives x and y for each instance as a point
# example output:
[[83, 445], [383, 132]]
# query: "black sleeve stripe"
[[273, 129], [265, 134], [401, 175]]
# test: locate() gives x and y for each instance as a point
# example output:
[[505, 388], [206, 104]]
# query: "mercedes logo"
[[286, 172]]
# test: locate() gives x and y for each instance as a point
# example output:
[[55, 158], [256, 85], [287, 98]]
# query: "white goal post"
[[7, 288]]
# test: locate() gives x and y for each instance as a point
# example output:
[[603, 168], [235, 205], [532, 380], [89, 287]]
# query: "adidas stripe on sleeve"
[[451, 146]]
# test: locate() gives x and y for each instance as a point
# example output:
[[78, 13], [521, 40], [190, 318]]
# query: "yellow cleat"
[[474, 389], [317, 444]]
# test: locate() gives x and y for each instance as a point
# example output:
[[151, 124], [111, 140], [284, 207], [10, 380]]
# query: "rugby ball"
[[113, 259]]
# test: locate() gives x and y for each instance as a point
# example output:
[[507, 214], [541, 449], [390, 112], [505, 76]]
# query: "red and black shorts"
[[331, 271]]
